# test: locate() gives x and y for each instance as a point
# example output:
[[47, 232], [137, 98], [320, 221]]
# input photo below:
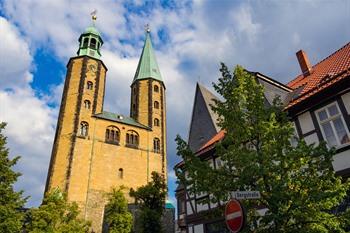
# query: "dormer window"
[[89, 85]]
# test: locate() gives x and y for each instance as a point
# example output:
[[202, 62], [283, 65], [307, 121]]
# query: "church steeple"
[[90, 43], [148, 66]]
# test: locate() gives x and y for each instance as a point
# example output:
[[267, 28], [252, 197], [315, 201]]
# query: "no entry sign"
[[234, 216]]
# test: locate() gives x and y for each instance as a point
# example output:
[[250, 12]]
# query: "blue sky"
[[191, 38]]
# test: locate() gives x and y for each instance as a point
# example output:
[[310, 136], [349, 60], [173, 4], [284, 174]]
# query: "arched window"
[[156, 104], [132, 139], [93, 43], [87, 104], [156, 145], [85, 42], [156, 122], [89, 85], [84, 129], [112, 135], [156, 88], [120, 173]]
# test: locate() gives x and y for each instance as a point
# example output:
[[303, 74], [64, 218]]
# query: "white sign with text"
[[242, 195]]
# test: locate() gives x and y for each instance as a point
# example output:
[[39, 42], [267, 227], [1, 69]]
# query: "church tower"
[[83, 95], [148, 97], [95, 150]]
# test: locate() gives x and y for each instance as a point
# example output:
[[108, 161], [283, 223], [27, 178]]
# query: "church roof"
[[92, 30], [148, 66], [120, 118]]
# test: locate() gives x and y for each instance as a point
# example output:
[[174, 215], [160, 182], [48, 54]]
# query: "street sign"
[[234, 216], [240, 195]]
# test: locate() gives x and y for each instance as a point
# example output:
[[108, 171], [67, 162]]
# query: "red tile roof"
[[216, 138], [325, 73]]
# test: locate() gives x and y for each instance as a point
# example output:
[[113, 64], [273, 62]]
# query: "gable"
[[203, 123]]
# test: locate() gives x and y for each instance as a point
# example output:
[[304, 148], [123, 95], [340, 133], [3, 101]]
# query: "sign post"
[[234, 216]]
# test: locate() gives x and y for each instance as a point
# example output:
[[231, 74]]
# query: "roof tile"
[[324, 71]]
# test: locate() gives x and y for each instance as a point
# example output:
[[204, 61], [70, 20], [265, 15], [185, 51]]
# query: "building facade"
[[318, 103], [95, 150]]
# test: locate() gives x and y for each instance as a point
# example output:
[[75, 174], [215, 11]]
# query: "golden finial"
[[93, 16], [147, 28]]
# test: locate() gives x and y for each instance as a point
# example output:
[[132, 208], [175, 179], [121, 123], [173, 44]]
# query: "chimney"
[[304, 63]]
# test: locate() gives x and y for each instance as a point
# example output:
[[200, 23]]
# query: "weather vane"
[[93, 16], [147, 28]]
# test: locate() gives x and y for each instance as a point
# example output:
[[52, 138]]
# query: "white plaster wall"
[[346, 100], [341, 160], [306, 124], [312, 138], [202, 207], [189, 208], [199, 228]]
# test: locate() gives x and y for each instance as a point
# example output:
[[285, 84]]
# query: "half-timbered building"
[[318, 103]]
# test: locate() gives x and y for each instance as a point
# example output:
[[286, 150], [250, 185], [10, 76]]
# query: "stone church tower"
[[95, 150]]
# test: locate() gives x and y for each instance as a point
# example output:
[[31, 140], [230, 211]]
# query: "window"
[[87, 104], [156, 88], [89, 85], [132, 139], [112, 135], [156, 104], [156, 122], [93, 43], [84, 128], [156, 145], [120, 173], [85, 42], [181, 206], [333, 126]]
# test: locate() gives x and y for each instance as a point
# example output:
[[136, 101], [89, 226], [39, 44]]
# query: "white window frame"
[[330, 119]]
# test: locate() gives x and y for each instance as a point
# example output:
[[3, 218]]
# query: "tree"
[[56, 215], [151, 200], [118, 217], [11, 202], [297, 183]]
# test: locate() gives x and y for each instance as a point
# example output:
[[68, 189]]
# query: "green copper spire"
[[90, 41], [148, 66]]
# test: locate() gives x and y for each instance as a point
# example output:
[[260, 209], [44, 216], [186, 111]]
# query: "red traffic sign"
[[234, 216]]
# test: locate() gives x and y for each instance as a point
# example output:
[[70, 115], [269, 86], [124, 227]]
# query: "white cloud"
[[245, 25], [30, 122], [14, 56]]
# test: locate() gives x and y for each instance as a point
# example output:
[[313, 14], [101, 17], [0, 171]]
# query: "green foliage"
[[118, 217], [297, 182], [151, 200], [11, 202], [56, 215]]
